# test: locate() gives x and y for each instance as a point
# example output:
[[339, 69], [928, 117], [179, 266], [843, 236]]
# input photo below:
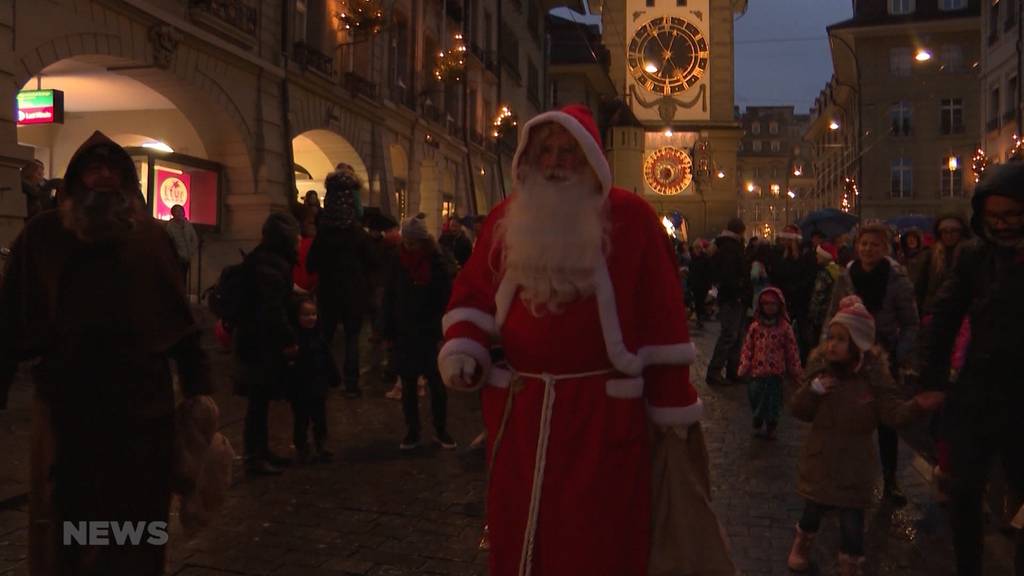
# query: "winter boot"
[[851, 565], [800, 554]]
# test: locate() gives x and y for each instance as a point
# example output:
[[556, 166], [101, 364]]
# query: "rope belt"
[[540, 458]]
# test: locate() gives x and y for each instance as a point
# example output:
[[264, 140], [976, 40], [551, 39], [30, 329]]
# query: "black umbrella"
[[829, 221], [376, 220]]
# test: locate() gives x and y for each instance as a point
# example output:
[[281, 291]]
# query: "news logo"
[[107, 533]]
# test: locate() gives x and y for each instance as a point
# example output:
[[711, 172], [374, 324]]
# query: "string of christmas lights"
[[452, 64], [503, 121], [979, 163], [849, 192], [360, 16]]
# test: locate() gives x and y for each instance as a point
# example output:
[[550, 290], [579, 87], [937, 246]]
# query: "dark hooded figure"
[[94, 291], [983, 408], [265, 339], [341, 255]]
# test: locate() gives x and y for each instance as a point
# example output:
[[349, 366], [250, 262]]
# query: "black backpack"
[[226, 298]]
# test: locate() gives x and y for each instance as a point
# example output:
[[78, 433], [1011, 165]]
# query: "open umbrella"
[[829, 221], [374, 219], [904, 223]]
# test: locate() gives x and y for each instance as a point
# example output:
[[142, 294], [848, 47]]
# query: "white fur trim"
[[676, 415], [503, 301], [470, 348], [730, 234], [789, 236], [620, 356], [671, 354], [499, 378], [478, 318], [624, 388], [595, 156]]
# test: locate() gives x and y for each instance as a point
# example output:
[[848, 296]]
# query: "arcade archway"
[[317, 153]]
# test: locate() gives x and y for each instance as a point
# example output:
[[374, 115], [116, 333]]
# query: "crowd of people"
[[896, 314], [554, 311]]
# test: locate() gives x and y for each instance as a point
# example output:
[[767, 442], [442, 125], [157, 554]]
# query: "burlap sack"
[[686, 537]]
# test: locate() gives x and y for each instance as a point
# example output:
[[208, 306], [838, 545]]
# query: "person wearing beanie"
[[415, 298], [731, 272], [838, 467], [793, 270], [884, 287], [265, 339], [343, 259], [769, 355], [827, 272], [982, 420]]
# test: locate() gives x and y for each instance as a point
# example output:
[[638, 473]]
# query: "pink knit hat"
[[855, 317]]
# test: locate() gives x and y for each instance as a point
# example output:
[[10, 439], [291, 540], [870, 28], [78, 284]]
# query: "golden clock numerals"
[[679, 55]]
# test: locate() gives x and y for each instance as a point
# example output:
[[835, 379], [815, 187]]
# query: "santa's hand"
[[460, 371]]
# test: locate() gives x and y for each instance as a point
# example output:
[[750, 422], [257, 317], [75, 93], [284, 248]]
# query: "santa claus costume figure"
[[577, 281]]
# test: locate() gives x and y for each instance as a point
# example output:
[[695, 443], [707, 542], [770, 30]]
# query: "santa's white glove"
[[459, 371]]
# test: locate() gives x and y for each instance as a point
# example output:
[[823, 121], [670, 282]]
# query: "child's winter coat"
[[770, 349], [839, 459], [314, 369]]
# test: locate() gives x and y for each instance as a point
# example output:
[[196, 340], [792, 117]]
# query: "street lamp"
[[833, 125], [922, 55]]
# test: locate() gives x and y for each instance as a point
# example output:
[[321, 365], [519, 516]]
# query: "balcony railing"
[[360, 86], [238, 19], [309, 58]]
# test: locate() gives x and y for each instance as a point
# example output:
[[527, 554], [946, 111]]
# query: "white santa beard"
[[554, 235]]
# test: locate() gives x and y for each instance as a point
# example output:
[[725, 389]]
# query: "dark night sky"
[[782, 54]]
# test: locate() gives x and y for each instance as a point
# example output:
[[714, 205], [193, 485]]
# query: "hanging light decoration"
[[452, 64], [1016, 152], [849, 193], [360, 16], [979, 163], [504, 120]]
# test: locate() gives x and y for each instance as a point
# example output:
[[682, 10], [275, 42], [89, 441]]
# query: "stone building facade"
[[275, 93], [1002, 108]]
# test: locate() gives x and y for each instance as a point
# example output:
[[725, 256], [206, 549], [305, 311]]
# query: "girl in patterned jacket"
[[769, 354]]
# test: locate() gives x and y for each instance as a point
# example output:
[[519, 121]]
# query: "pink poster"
[[172, 187]]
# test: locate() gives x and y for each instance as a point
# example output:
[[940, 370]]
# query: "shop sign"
[[40, 107], [172, 188]]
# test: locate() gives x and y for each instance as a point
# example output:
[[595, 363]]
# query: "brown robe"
[[104, 321]]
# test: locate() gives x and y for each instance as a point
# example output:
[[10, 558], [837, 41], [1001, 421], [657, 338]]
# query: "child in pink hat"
[[848, 389]]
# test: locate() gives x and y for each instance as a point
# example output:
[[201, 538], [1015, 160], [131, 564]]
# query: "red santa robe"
[[593, 504]]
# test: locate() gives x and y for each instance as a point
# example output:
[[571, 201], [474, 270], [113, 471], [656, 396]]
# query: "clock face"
[[668, 170], [668, 55]]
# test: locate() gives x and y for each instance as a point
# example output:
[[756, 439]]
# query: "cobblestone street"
[[377, 511]]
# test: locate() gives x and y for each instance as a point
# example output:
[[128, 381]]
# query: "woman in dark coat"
[[700, 279], [342, 257], [414, 302], [94, 291]]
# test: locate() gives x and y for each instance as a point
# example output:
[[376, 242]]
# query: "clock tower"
[[672, 63]]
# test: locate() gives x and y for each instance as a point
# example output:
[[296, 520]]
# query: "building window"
[[755, 128], [993, 22], [773, 127], [510, 49], [775, 172], [900, 61], [300, 21], [533, 84], [757, 173], [650, 3], [900, 118], [952, 4], [680, 3], [1011, 15], [993, 109], [488, 35], [757, 145], [952, 121], [902, 178], [951, 57], [1011, 100], [757, 211], [952, 177], [900, 7], [776, 146]]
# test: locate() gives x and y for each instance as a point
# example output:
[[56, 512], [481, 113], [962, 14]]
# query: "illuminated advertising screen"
[[172, 188], [40, 107]]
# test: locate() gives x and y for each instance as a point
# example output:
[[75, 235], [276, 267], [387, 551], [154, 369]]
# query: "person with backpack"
[[264, 337]]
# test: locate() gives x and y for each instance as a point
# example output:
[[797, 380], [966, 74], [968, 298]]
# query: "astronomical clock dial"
[[668, 171], [668, 55]]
